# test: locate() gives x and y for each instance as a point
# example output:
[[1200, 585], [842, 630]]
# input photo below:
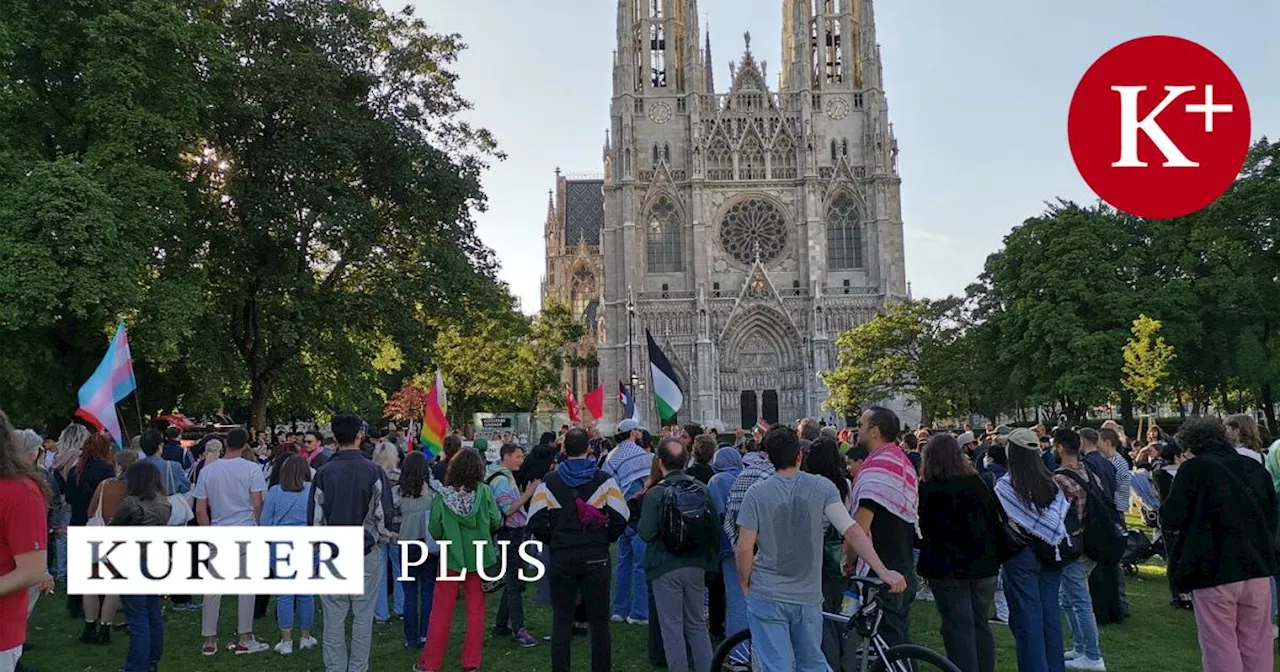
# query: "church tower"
[[745, 229]]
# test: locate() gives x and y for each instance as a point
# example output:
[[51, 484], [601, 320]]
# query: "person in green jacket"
[[678, 580], [463, 512]]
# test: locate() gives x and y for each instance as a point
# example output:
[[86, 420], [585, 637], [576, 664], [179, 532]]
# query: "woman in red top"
[[23, 542]]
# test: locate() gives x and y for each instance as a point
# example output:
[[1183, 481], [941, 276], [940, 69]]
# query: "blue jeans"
[[785, 636], [418, 595], [397, 591], [62, 547], [146, 631], [306, 611], [1078, 606], [1032, 592], [631, 597], [735, 603]]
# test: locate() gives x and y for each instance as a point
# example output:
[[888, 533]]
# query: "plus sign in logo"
[[1159, 127]]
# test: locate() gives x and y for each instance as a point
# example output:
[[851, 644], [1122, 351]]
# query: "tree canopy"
[[276, 195], [1048, 323]]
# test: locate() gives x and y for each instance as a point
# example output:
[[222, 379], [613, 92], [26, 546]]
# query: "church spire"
[[709, 64]]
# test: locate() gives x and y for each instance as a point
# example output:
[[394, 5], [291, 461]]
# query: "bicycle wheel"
[[911, 657], [734, 653]]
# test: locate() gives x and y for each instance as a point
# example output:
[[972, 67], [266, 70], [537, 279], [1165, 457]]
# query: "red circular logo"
[[1159, 127]]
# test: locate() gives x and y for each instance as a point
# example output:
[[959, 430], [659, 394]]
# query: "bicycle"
[[734, 653]]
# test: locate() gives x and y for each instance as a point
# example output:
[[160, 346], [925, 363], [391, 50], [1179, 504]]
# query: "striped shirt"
[[1124, 482]]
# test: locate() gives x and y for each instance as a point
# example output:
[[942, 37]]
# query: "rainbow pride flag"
[[434, 423]]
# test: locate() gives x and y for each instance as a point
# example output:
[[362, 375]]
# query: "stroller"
[[1138, 549]]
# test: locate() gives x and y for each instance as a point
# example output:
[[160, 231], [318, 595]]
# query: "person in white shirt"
[[228, 493]]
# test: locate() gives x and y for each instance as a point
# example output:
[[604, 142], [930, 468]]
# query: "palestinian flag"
[[666, 390]]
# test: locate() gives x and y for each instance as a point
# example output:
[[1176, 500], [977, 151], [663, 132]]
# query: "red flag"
[[594, 401], [571, 403]]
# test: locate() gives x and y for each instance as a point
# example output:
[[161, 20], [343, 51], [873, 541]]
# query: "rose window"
[[754, 229]]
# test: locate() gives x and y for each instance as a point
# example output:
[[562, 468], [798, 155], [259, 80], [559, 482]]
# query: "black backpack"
[[1067, 551], [1103, 531], [685, 518]]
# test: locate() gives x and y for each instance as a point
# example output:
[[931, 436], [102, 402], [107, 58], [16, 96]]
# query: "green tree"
[[916, 349], [337, 186], [1146, 361], [1056, 296], [502, 360], [98, 101]]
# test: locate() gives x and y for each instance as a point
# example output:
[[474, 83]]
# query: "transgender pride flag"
[[111, 382]]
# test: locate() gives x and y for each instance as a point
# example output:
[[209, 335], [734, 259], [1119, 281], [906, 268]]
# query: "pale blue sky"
[[978, 93]]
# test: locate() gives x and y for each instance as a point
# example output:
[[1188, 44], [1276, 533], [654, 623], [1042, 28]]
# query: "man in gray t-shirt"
[[779, 557], [787, 514]]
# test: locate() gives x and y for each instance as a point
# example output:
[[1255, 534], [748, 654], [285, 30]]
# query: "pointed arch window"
[[582, 290], [719, 160], [844, 234], [664, 239], [656, 154], [666, 152], [751, 159], [782, 165]]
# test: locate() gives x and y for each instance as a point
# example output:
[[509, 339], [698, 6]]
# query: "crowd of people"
[[689, 536]]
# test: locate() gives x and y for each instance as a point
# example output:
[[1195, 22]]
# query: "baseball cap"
[[628, 425], [1024, 438], [966, 438]]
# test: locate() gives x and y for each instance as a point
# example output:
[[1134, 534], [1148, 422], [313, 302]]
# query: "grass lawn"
[[1156, 637]]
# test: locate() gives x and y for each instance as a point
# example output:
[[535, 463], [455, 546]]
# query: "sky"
[[978, 94]]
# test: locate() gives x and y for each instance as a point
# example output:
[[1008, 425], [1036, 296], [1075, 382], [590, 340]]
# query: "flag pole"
[[124, 431], [137, 403]]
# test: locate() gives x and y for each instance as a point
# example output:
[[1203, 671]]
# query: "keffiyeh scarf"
[[888, 479], [755, 467], [1048, 524]]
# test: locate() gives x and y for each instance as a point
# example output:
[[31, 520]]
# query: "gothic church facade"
[[745, 228]]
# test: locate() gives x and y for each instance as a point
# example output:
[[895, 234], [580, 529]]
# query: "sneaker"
[[188, 606], [637, 621], [307, 643], [1084, 663], [924, 595], [618, 618], [245, 648], [208, 650], [284, 648], [524, 639], [998, 621], [1071, 654]]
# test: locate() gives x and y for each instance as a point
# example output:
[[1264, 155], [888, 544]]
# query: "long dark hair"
[[466, 470], [414, 472], [1030, 478], [142, 480], [824, 460], [943, 459]]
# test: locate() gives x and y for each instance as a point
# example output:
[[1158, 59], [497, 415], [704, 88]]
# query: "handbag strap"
[[1249, 492], [169, 487]]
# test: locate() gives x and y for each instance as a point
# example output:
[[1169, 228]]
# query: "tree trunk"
[[1267, 398], [1126, 411], [259, 392]]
